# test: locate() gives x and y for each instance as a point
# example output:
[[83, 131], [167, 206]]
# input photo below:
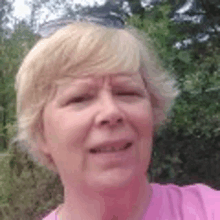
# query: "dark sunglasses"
[[109, 20]]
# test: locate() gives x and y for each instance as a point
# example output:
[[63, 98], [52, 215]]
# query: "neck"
[[126, 203]]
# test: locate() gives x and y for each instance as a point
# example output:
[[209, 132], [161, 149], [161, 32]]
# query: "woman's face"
[[98, 130]]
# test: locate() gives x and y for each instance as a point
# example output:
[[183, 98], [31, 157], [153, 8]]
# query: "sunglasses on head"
[[110, 20]]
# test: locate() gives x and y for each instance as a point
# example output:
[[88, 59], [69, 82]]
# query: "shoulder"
[[211, 199], [51, 216], [196, 201]]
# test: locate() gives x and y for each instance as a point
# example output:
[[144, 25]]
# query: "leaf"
[[184, 56]]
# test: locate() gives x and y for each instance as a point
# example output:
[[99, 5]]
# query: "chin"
[[114, 179]]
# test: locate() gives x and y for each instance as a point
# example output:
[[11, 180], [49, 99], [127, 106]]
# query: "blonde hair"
[[77, 50]]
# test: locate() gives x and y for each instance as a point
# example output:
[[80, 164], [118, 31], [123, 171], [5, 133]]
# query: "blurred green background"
[[186, 149]]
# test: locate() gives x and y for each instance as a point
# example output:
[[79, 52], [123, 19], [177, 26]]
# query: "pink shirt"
[[171, 202]]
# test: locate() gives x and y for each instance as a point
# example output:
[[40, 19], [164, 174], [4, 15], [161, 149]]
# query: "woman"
[[89, 99]]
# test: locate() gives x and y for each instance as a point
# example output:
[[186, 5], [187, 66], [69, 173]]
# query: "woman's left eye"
[[127, 93]]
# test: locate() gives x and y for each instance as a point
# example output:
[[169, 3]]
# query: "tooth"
[[110, 149]]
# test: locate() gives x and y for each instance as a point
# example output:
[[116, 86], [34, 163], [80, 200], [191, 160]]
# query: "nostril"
[[120, 120], [104, 122]]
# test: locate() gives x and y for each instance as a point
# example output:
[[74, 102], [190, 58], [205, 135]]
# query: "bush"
[[30, 190], [186, 150]]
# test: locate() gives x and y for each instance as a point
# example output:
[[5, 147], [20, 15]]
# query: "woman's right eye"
[[79, 99]]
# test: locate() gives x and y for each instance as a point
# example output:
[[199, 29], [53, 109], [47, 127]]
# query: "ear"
[[40, 137], [46, 158], [42, 144]]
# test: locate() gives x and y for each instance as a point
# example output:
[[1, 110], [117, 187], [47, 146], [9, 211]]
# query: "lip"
[[114, 159], [116, 143]]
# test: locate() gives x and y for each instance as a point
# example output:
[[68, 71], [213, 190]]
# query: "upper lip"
[[115, 143]]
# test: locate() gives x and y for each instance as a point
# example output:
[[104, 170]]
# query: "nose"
[[110, 113]]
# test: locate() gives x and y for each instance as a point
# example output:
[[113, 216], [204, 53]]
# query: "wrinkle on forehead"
[[66, 80], [114, 79]]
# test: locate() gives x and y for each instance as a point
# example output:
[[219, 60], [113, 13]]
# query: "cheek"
[[64, 137], [144, 124], [144, 118], [68, 128]]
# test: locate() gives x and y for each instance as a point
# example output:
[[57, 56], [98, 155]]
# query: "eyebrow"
[[130, 81], [73, 82], [118, 80], [70, 88]]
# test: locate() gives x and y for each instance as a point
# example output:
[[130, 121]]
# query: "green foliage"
[[4, 180], [190, 141], [5, 14], [186, 149], [12, 52], [29, 190]]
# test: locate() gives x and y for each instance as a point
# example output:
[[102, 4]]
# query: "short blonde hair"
[[80, 49]]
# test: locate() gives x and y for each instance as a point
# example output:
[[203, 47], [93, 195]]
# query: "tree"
[[12, 51], [66, 8], [187, 149], [38, 8], [200, 19], [212, 9], [135, 5], [5, 13]]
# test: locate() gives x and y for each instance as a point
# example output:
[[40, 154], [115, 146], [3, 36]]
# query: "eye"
[[128, 93], [79, 99]]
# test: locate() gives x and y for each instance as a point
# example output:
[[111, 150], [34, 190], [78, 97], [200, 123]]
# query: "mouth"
[[110, 149]]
